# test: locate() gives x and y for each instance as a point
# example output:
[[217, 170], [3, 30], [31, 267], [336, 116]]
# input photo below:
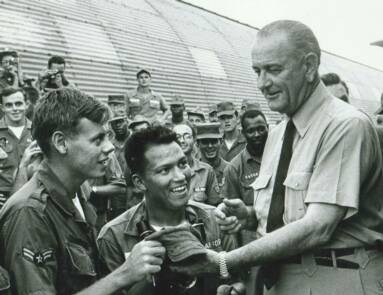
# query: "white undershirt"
[[77, 204], [17, 130]]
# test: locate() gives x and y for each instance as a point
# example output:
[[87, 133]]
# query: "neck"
[[213, 162], [255, 152], [14, 124], [143, 89], [177, 118], [70, 181], [163, 216], [190, 158], [308, 91], [231, 134]]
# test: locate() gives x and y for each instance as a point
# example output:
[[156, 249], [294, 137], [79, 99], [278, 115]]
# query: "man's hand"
[[233, 289], [231, 215], [30, 152], [208, 264], [144, 260]]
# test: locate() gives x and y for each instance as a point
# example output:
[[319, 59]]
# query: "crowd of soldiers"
[[145, 174]]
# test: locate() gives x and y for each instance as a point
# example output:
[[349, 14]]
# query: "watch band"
[[223, 271]]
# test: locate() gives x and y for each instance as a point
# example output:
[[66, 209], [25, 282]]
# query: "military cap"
[[226, 108], [116, 118], [212, 108], [196, 111], [138, 119], [208, 130], [6, 52], [177, 100], [116, 99], [250, 104], [143, 70]]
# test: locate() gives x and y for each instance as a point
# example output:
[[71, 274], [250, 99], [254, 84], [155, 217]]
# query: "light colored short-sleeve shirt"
[[336, 160]]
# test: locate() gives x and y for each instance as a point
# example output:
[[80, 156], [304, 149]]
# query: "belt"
[[330, 257]]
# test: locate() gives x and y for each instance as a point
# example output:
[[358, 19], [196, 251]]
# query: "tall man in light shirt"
[[318, 198]]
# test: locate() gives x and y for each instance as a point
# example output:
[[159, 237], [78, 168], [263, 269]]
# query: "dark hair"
[[333, 79], [251, 114], [140, 141], [55, 60], [9, 91], [62, 110]]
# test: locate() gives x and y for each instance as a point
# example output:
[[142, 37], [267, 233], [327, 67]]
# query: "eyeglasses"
[[207, 141], [185, 136]]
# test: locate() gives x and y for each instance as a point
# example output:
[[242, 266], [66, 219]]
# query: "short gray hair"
[[300, 35]]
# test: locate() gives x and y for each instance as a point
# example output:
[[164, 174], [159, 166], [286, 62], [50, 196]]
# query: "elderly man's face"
[[281, 76]]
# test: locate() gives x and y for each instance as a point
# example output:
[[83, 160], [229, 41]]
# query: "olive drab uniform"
[[46, 245], [12, 150]]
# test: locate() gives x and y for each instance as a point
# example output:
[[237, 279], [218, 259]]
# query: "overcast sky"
[[343, 27]]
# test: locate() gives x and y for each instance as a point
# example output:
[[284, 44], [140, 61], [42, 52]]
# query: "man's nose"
[[263, 81]]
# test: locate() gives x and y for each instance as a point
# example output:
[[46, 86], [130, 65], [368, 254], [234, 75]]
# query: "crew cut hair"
[[301, 36], [140, 141], [250, 114], [61, 110]]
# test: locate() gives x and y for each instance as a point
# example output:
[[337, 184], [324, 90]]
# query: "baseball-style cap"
[[116, 99], [143, 70], [226, 108], [116, 118], [250, 104], [138, 119], [212, 108], [177, 100], [196, 111], [208, 130], [181, 242]]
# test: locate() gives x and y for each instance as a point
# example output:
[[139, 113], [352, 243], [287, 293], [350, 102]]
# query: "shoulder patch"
[[39, 258]]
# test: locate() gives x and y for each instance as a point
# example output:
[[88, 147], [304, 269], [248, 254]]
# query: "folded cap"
[[177, 100], [226, 108], [208, 130], [196, 111], [250, 104], [138, 119], [143, 70], [181, 242], [116, 99]]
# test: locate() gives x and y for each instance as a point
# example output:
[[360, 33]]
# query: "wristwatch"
[[223, 271]]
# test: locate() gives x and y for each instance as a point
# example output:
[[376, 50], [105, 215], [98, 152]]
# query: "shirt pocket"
[[296, 184], [154, 104], [261, 196], [80, 262]]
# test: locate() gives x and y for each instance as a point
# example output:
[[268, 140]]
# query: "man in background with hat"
[[10, 72], [249, 104], [151, 103], [161, 170], [203, 184], [177, 109], [196, 116], [233, 140], [209, 140], [212, 112]]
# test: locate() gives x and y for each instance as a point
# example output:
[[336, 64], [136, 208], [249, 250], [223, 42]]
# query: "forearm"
[[294, 238], [251, 221]]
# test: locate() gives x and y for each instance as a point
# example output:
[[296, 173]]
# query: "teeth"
[[179, 189]]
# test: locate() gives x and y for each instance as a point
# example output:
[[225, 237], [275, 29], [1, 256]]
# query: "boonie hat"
[[226, 108], [177, 100], [197, 111], [143, 70]]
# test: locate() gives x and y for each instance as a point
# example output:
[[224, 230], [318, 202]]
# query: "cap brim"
[[208, 136], [232, 112], [132, 124]]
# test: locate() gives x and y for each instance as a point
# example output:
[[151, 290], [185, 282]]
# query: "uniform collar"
[[4, 125], [56, 189], [308, 112], [140, 214], [197, 166]]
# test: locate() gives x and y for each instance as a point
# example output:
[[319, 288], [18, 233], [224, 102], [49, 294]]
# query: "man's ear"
[[138, 182], [311, 62], [59, 142]]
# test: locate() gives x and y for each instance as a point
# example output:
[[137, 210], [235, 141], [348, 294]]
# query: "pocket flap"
[[298, 180], [261, 182], [80, 262]]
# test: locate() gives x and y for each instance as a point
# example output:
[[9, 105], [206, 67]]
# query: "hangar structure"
[[197, 54]]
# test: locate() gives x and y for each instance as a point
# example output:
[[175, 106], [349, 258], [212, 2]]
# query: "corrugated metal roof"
[[194, 53]]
